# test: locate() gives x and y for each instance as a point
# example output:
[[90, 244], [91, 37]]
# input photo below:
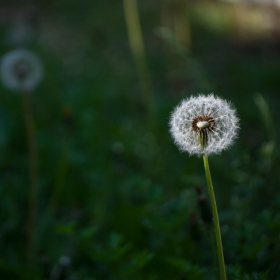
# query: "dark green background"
[[127, 206]]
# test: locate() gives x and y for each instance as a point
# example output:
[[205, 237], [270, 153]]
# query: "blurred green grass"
[[127, 207]]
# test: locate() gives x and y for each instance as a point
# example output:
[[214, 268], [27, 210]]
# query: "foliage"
[[117, 200]]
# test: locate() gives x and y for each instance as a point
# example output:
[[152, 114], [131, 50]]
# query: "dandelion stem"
[[33, 177], [215, 218]]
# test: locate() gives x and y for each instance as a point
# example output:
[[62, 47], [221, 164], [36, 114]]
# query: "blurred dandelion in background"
[[21, 70]]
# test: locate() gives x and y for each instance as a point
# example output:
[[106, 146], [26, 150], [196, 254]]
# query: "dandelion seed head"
[[21, 70], [205, 124]]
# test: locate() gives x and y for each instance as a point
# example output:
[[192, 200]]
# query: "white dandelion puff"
[[204, 124], [21, 70]]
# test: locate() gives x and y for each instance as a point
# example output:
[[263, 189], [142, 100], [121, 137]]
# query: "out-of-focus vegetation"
[[117, 200]]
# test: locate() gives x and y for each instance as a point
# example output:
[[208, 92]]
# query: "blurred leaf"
[[140, 259], [65, 228], [8, 271], [186, 268]]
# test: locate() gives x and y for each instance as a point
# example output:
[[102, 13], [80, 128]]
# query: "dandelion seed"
[[21, 70], [205, 124]]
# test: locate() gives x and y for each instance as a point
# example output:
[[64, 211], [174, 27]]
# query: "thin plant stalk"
[[215, 218], [61, 176], [33, 177], [138, 52], [211, 232]]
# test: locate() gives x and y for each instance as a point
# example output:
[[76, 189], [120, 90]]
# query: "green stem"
[[138, 52], [216, 219], [61, 176]]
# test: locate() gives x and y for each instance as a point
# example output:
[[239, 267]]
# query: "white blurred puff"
[[21, 70]]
